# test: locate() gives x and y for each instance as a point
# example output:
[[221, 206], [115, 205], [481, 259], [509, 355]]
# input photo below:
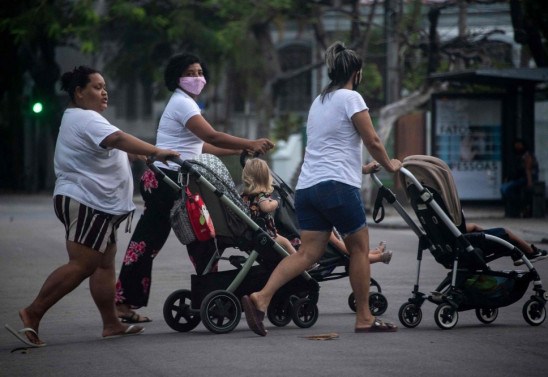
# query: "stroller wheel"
[[220, 311], [279, 313], [377, 303], [410, 315], [534, 312], [487, 315], [352, 302], [178, 313], [446, 316], [304, 313]]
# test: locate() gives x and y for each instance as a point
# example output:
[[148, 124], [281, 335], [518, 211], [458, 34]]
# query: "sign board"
[[467, 136]]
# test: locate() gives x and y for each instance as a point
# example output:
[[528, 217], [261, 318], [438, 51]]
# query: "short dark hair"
[[177, 65], [78, 77]]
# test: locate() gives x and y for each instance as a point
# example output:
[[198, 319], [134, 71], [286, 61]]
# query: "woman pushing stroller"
[[328, 189]]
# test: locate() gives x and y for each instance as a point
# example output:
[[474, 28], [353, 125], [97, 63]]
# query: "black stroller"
[[214, 297], [470, 284], [334, 263]]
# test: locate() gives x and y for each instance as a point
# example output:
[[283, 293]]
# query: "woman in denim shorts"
[[328, 190], [93, 195]]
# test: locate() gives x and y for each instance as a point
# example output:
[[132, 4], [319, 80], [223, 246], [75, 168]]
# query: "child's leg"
[[284, 242]]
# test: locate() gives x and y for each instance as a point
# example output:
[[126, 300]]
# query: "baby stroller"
[[470, 283], [214, 297], [333, 265]]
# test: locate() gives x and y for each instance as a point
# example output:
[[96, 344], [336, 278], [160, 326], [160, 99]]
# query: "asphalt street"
[[32, 245]]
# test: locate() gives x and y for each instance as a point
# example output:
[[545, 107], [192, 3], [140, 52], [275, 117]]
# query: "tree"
[[31, 31]]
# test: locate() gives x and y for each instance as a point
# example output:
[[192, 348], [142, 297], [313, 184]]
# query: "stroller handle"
[[162, 175]]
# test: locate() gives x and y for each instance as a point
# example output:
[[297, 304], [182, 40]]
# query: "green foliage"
[[372, 83], [286, 125]]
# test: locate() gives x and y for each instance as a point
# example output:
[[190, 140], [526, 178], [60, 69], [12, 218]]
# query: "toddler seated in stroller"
[[258, 196]]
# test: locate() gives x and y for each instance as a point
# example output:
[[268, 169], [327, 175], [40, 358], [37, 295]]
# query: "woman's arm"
[[132, 145], [200, 127], [211, 149], [364, 125]]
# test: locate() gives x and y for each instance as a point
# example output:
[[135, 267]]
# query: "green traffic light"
[[37, 107]]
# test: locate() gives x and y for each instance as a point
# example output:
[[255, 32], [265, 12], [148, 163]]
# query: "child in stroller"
[[470, 284], [257, 196], [214, 297]]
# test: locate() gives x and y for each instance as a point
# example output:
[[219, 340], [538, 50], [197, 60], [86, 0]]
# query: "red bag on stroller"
[[199, 217]]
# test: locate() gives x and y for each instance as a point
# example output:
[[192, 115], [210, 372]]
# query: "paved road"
[[31, 246]]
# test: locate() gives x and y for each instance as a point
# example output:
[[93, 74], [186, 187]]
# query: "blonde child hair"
[[256, 177]]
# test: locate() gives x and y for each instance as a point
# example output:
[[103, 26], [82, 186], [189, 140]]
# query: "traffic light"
[[37, 107]]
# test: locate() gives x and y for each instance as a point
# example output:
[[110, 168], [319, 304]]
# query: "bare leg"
[[374, 258], [284, 242], [519, 242], [102, 286], [359, 273], [82, 262], [312, 248]]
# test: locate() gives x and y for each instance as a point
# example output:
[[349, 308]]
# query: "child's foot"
[[386, 256], [379, 249], [538, 254]]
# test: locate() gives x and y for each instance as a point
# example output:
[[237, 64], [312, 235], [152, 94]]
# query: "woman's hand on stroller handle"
[[162, 155], [166, 155], [371, 167]]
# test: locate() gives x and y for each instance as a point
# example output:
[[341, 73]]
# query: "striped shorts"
[[87, 226]]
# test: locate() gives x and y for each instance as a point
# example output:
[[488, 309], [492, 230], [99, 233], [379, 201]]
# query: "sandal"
[[378, 326], [133, 317], [386, 256], [379, 249]]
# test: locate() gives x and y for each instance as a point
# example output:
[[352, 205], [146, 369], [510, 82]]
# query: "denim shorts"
[[330, 204]]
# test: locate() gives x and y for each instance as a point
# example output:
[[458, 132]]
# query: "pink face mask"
[[192, 85]]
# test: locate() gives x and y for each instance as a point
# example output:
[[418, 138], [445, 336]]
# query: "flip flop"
[[128, 332], [378, 326], [133, 317], [253, 316], [20, 334]]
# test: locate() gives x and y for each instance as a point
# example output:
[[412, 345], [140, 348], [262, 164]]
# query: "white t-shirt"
[[98, 177], [334, 146], [172, 132]]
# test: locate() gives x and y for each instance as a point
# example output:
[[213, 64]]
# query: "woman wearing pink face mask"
[[182, 128]]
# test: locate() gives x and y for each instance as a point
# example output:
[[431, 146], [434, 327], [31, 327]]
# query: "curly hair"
[[78, 77]]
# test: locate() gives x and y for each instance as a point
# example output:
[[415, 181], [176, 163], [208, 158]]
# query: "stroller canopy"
[[435, 174]]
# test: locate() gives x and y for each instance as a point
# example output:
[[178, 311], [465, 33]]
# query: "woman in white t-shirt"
[[93, 195], [182, 128], [328, 190]]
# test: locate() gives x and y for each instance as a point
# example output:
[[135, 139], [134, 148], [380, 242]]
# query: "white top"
[[334, 146], [172, 132], [98, 177]]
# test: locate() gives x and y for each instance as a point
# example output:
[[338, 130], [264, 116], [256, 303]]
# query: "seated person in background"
[[522, 174]]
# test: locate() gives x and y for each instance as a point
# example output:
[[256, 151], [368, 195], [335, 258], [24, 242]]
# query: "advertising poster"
[[467, 136]]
